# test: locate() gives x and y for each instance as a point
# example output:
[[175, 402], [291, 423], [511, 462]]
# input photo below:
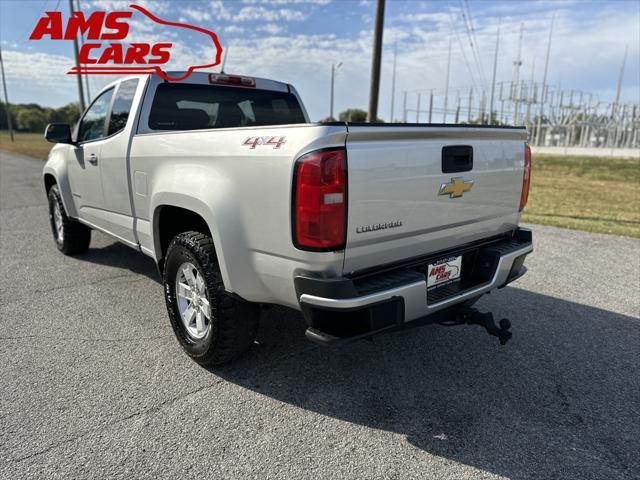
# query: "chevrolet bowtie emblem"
[[456, 187]]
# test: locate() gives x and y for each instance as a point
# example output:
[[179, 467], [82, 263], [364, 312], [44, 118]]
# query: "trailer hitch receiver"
[[471, 316]]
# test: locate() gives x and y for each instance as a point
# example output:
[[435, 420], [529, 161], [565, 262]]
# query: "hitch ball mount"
[[471, 316]]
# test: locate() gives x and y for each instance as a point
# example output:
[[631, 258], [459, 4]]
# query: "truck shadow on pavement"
[[117, 255], [559, 401]]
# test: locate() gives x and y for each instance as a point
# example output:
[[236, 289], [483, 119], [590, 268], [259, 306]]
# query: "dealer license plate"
[[444, 272]]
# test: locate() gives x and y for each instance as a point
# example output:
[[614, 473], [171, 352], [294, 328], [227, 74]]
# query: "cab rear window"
[[180, 106]]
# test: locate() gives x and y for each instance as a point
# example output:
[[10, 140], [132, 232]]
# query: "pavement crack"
[[128, 277], [92, 283], [75, 339], [23, 207], [85, 433]]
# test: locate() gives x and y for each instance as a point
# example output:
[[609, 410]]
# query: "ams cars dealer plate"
[[444, 272]]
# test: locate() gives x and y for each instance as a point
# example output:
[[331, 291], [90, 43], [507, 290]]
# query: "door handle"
[[93, 159]]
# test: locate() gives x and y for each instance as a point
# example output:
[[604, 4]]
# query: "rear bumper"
[[347, 309]]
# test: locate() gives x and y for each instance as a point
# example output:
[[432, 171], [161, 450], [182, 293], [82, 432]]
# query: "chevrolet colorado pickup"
[[242, 201]]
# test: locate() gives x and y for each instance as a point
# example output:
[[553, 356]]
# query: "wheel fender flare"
[[197, 206], [56, 166]]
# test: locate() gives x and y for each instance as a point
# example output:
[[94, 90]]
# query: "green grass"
[[584, 193], [30, 144]]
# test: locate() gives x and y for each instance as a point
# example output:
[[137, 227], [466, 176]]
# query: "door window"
[[92, 125], [122, 106]]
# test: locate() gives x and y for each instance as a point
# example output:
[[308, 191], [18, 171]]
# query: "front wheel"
[[71, 237], [212, 326]]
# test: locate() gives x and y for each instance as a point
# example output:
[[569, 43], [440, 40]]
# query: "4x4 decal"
[[253, 142]]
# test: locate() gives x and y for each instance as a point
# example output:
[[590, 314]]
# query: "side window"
[[92, 125], [122, 106]]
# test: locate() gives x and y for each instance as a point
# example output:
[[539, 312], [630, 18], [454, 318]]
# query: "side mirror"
[[58, 133]]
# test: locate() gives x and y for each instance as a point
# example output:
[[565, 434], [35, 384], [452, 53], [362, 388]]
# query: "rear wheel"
[[212, 326], [71, 237]]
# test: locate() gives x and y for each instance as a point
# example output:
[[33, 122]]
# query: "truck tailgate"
[[395, 175]]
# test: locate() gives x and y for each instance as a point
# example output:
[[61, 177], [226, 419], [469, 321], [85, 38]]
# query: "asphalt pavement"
[[94, 385]]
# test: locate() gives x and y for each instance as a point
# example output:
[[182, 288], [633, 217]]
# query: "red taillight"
[[526, 179], [320, 200]]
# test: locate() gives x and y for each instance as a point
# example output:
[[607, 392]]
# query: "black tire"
[[233, 323], [75, 237]]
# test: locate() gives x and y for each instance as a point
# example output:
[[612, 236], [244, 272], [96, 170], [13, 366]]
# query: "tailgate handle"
[[457, 158]]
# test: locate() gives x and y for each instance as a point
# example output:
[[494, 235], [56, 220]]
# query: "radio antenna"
[[224, 59]]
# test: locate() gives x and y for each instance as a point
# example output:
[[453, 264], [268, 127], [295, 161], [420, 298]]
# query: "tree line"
[[353, 115], [31, 117]]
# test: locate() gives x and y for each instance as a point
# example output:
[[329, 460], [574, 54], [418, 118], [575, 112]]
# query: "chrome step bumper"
[[402, 294]]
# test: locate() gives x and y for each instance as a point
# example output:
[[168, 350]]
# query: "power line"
[[475, 43], [464, 55], [473, 49]]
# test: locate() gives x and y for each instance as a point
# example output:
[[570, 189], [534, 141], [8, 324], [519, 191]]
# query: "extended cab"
[[242, 201]]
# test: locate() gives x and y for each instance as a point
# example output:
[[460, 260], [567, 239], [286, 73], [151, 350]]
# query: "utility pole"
[[430, 104], [6, 98], [543, 95], [516, 73], [376, 59], [86, 77], [418, 109], [404, 107], [530, 96], [393, 77], [493, 80], [446, 87], [334, 67], [624, 60], [470, 102], [501, 102], [78, 75]]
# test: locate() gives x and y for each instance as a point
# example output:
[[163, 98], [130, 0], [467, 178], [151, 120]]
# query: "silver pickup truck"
[[242, 201]]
